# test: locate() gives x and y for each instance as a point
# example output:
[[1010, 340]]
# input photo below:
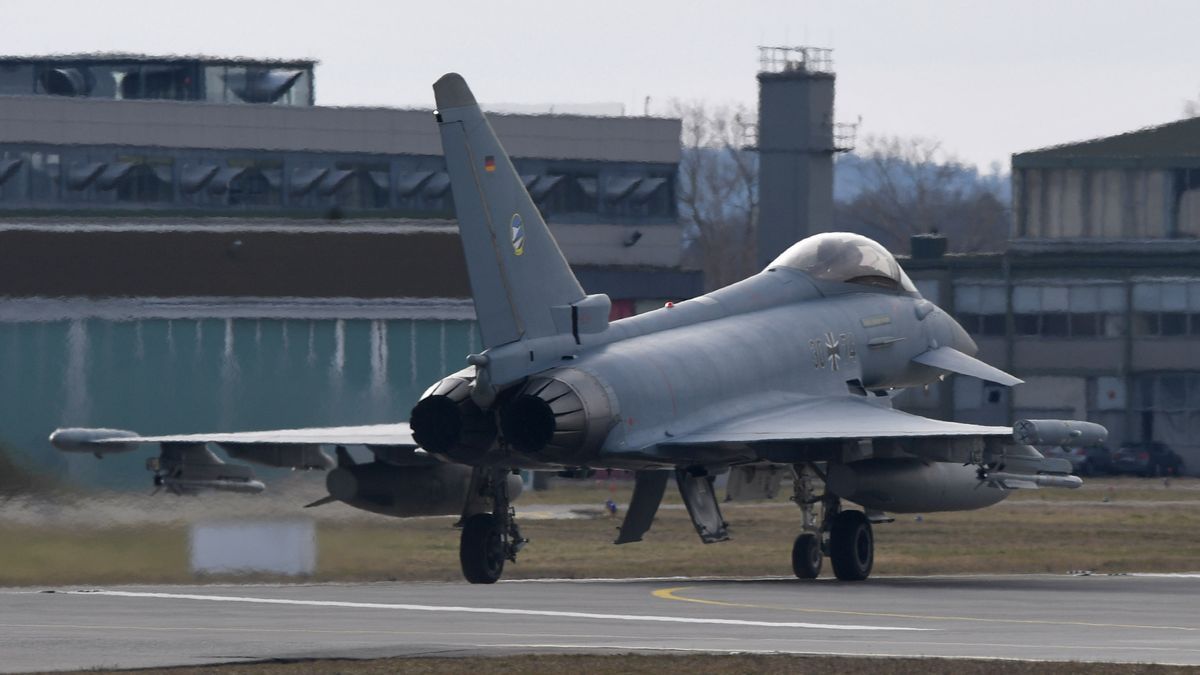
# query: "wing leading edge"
[[186, 464], [822, 419], [96, 440]]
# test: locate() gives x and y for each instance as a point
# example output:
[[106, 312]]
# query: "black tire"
[[481, 549], [1085, 469], [851, 546], [806, 556]]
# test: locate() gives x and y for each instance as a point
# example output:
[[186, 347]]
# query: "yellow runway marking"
[[673, 594]]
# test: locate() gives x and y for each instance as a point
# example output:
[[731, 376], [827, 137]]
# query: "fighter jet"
[[791, 371]]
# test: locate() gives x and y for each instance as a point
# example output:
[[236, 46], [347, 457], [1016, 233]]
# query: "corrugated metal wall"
[[203, 374]]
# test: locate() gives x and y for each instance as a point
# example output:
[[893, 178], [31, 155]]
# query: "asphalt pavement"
[[1134, 618]]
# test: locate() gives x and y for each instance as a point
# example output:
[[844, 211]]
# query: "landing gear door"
[[701, 500], [647, 495]]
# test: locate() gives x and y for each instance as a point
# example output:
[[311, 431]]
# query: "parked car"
[[1152, 458], [1092, 460]]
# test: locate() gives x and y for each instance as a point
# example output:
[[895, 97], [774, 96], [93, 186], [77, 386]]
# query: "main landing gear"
[[488, 539], [845, 536]]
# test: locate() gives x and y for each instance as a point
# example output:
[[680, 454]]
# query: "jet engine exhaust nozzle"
[[560, 416], [446, 421]]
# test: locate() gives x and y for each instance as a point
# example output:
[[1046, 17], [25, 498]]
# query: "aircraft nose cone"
[[960, 340]]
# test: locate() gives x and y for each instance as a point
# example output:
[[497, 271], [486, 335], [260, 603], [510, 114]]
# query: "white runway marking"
[[496, 610], [1161, 575]]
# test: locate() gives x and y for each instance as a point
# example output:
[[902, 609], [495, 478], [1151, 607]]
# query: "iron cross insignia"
[[833, 351]]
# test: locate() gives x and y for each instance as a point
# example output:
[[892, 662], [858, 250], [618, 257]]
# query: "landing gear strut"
[[489, 539], [845, 536], [807, 554]]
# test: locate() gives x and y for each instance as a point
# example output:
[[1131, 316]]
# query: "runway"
[[1151, 618]]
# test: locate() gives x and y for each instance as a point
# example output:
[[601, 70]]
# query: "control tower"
[[797, 139]]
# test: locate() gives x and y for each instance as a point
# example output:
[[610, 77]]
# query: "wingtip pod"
[[451, 91], [100, 441], [1069, 433]]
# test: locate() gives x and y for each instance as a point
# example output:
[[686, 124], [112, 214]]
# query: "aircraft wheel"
[[851, 546], [806, 556], [481, 549]]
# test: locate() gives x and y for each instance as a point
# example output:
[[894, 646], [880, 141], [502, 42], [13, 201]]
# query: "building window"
[[1055, 324], [981, 308], [16, 80], [357, 186], [1084, 310], [1173, 324], [1025, 324], [1086, 324], [563, 192], [254, 187], [987, 325], [1167, 308], [245, 182], [45, 176], [138, 179], [11, 184]]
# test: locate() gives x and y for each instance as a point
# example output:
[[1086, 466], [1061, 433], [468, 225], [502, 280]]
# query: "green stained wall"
[[210, 374]]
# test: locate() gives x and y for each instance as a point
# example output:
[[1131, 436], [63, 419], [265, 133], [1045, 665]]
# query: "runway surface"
[[1151, 618]]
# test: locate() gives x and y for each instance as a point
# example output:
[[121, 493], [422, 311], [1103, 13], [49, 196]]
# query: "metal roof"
[[126, 57], [1170, 144], [65, 120], [1072, 257]]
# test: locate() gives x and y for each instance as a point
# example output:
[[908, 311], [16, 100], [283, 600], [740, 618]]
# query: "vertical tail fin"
[[518, 274]]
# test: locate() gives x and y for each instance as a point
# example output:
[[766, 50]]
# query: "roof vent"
[[927, 246]]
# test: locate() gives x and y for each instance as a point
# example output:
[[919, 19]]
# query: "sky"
[[986, 79]]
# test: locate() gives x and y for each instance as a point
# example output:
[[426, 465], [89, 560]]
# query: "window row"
[[1083, 324], [1037, 298], [1178, 295], [171, 80], [1048, 324], [1166, 324], [48, 177]]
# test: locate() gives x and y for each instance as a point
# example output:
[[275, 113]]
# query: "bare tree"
[[718, 189], [911, 186]]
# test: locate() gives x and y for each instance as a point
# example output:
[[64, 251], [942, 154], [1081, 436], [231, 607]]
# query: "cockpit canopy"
[[848, 258]]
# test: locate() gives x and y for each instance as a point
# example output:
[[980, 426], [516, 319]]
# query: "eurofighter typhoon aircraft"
[[792, 370]]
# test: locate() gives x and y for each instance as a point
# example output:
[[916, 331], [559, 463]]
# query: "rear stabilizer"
[[522, 285]]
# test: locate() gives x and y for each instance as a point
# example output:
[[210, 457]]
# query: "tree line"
[[890, 188]]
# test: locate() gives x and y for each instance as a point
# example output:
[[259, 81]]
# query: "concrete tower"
[[796, 143]]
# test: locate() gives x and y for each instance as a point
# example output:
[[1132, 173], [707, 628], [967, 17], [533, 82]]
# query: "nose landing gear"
[[807, 556]]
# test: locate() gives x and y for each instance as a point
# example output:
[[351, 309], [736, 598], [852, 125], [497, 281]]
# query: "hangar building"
[[190, 244], [1096, 303]]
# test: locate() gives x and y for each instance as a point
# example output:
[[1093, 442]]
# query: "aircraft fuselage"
[[773, 339]]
